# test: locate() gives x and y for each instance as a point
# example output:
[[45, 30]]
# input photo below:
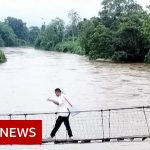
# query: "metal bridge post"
[[102, 122], [109, 122], [146, 121], [10, 116], [25, 116]]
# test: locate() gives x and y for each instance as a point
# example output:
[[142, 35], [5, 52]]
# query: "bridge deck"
[[67, 141], [95, 125]]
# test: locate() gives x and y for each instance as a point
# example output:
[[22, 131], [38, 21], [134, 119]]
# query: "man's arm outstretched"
[[54, 101]]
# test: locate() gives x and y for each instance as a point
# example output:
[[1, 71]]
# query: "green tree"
[[133, 42], [52, 35], [112, 10], [101, 43], [19, 27], [2, 43], [58, 26], [132, 37], [33, 34], [90, 31], [74, 20], [8, 38], [86, 31]]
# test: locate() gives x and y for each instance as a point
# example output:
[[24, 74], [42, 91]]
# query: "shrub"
[[69, 46], [120, 56], [2, 43], [2, 57], [93, 55], [147, 58]]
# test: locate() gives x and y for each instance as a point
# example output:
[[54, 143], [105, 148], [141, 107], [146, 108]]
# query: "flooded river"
[[30, 76]]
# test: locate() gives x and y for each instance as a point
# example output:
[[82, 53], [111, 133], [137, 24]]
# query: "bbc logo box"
[[21, 132]]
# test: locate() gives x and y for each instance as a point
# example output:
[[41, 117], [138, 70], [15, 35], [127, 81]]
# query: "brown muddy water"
[[30, 76]]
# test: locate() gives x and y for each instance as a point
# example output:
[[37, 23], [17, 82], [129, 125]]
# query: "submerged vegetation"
[[69, 46], [2, 57]]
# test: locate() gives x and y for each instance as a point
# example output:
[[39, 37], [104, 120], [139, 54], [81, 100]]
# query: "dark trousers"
[[58, 123]]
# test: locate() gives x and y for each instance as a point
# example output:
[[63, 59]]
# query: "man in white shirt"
[[63, 111]]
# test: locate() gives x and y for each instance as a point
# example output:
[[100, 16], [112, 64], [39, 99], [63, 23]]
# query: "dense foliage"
[[14, 32], [121, 32], [57, 36], [7, 36]]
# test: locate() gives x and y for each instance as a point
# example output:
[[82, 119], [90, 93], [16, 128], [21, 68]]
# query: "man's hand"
[[50, 100]]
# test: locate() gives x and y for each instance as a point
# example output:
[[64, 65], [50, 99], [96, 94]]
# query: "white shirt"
[[63, 105]]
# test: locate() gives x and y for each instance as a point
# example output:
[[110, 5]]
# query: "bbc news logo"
[[20, 131]]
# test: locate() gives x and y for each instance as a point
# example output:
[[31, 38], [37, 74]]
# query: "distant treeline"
[[121, 32], [14, 32]]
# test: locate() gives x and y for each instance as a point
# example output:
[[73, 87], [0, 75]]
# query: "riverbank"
[[75, 47], [2, 57]]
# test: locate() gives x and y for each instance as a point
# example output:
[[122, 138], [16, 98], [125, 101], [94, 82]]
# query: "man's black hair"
[[58, 90]]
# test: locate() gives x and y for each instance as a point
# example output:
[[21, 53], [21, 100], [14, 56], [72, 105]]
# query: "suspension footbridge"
[[105, 125]]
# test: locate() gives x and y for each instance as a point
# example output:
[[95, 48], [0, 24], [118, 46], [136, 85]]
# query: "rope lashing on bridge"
[[87, 126]]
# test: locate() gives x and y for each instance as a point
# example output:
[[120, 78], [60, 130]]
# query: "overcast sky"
[[31, 11]]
